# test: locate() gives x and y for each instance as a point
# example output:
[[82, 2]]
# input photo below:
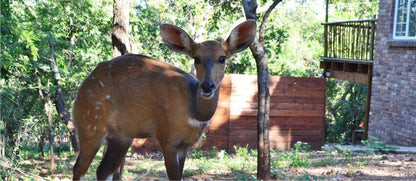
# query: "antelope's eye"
[[197, 61], [221, 60]]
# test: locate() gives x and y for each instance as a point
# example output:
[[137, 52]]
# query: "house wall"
[[393, 99]]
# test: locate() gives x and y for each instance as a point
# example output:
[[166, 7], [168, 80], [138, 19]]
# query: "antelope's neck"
[[202, 109], [205, 108]]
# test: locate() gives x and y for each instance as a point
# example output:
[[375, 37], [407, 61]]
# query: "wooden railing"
[[349, 40]]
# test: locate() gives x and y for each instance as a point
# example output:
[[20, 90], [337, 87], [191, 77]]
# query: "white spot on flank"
[[98, 105], [88, 112], [110, 177], [101, 83], [107, 97], [95, 128], [197, 124]]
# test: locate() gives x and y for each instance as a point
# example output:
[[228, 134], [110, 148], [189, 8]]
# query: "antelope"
[[135, 96]]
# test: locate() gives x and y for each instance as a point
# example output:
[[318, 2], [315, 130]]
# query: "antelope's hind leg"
[[89, 146], [113, 157]]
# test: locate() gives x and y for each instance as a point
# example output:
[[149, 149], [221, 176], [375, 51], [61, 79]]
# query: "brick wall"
[[393, 99], [296, 114]]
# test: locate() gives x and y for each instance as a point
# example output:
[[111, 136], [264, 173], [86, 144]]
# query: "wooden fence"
[[296, 114]]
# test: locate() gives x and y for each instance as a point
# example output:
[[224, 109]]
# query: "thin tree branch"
[[198, 34], [264, 20], [32, 13], [59, 100], [250, 8], [14, 74]]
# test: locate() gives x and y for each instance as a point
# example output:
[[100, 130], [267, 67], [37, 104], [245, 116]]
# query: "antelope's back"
[[135, 89]]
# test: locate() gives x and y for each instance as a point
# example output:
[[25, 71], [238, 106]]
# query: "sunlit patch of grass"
[[149, 168], [298, 163]]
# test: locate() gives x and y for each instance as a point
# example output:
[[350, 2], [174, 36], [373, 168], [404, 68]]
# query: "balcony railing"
[[351, 41]]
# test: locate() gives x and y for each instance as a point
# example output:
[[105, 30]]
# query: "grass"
[[199, 164]]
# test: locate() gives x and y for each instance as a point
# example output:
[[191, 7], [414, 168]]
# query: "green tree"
[[344, 109], [343, 10], [47, 48]]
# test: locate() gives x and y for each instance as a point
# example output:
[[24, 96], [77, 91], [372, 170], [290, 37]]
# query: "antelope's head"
[[209, 56]]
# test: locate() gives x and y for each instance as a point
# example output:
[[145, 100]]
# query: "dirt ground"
[[360, 167], [357, 166]]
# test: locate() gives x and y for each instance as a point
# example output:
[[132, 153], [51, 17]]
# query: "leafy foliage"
[[345, 109], [76, 36], [34, 33], [341, 10], [298, 47]]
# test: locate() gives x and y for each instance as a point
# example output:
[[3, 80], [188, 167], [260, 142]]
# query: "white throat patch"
[[110, 177], [197, 124]]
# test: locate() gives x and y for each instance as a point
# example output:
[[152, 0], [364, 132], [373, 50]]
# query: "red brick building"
[[393, 95]]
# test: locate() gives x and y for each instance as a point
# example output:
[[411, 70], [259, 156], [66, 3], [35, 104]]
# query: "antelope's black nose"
[[207, 86]]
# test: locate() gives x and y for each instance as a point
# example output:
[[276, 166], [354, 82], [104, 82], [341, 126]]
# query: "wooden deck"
[[349, 54], [347, 69], [349, 50]]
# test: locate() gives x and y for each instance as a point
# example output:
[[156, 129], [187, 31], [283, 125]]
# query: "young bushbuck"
[[135, 96]]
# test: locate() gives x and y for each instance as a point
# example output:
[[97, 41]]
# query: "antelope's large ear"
[[241, 37], [176, 39]]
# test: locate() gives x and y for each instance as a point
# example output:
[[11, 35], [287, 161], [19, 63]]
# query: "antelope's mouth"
[[207, 95], [207, 89]]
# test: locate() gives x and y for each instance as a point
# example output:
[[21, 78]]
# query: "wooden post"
[[326, 10], [369, 80], [367, 105]]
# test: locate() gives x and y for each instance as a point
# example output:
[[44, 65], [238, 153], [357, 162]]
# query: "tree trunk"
[[45, 98], [259, 53], [122, 43], [41, 143], [60, 102], [48, 111]]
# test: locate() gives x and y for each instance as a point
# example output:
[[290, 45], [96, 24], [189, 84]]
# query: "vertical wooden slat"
[[326, 41], [373, 32]]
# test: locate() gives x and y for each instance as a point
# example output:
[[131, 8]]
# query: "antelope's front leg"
[[181, 157], [174, 162]]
